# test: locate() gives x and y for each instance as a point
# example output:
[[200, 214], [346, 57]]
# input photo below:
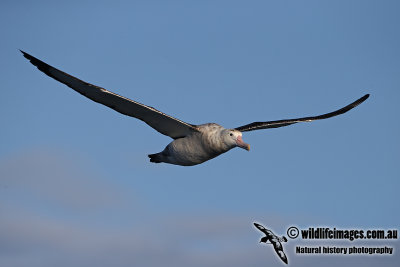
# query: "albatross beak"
[[240, 143]]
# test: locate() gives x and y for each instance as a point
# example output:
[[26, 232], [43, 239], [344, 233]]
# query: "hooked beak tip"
[[240, 143]]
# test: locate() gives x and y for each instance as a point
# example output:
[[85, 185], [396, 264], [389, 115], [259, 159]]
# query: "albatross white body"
[[209, 141], [193, 144]]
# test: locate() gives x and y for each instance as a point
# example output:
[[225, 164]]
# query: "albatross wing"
[[161, 122], [275, 124], [279, 250], [261, 228]]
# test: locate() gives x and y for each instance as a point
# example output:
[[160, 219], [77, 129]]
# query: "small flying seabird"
[[274, 240], [193, 144]]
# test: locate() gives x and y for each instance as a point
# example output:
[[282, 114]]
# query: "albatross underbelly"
[[184, 152]]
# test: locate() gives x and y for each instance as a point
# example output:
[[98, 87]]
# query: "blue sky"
[[76, 186]]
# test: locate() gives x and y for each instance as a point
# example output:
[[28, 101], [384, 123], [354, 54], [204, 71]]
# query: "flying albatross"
[[192, 144], [274, 240]]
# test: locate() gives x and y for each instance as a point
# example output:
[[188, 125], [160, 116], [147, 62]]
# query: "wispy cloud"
[[54, 212], [56, 179]]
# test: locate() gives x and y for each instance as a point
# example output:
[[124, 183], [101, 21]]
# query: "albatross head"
[[234, 138]]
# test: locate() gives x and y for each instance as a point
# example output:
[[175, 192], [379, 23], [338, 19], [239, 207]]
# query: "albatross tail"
[[155, 158]]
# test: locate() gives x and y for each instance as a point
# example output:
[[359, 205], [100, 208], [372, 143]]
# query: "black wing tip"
[[357, 102], [36, 62], [26, 55], [259, 226], [362, 99]]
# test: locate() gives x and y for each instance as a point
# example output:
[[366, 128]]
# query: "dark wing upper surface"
[[281, 254], [281, 123], [261, 228], [161, 122]]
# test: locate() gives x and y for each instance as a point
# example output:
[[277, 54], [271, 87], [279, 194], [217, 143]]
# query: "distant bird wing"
[[279, 250], [275, 124], [261, 228], [161, 122]]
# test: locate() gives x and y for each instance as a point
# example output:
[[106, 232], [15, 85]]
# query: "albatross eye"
[[231, 134]]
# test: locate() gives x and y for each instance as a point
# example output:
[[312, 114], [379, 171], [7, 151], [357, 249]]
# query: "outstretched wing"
[[161, 122], [261, 228], [279, 250], [275, 124]]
